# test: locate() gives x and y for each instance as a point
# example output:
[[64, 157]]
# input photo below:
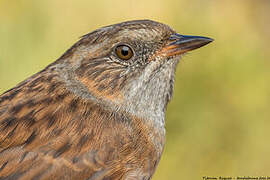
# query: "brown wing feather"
[[40, 135]]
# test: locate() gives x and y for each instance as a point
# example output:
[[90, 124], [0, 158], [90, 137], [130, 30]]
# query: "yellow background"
[[218, 123]]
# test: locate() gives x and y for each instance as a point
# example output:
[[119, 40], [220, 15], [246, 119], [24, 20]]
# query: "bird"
[[98, 111]]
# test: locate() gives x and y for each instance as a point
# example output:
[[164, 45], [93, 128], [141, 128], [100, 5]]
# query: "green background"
[[218, 121]]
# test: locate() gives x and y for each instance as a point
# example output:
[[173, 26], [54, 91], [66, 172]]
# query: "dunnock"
[[98, 112]]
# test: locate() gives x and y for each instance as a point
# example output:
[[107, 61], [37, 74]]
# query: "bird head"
[[130, 65]]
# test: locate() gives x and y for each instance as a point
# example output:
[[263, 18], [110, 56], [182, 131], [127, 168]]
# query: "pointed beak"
[[179, 44]]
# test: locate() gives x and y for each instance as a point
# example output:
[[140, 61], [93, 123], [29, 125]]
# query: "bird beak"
[[179, 44]]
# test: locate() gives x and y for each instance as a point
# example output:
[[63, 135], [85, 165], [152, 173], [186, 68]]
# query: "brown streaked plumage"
[[97, 113]]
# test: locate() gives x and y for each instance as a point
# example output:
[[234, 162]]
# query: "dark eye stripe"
[[124, 52]]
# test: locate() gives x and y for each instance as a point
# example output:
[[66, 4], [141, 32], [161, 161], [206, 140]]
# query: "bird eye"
[[124, 52]]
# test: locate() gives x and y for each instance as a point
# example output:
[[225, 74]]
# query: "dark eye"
[[124, 52]]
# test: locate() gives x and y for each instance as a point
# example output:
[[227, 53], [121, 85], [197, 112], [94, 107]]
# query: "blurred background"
[[218, 123]]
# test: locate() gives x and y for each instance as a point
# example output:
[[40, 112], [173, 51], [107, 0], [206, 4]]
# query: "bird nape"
[[98, 111]]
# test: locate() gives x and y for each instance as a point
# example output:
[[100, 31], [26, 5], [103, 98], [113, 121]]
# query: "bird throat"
[[148, 94]]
